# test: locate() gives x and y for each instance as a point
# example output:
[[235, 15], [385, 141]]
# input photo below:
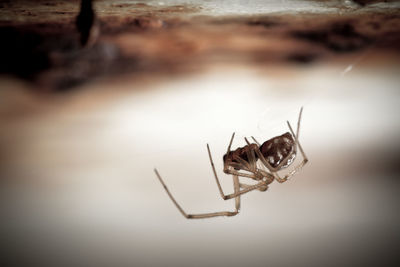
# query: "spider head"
[[279, 149]]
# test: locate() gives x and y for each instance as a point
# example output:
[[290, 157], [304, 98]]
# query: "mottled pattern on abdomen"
[[278, 149]]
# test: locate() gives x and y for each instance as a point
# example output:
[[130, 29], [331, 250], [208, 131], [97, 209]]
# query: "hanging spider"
[[258, 162]]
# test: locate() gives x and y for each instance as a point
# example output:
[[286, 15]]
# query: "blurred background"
[[94, 96]]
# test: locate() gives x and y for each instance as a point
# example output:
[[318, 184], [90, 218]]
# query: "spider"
[[258, 162]]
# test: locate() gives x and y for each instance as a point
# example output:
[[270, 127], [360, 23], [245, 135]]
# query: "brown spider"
[[258, 162]]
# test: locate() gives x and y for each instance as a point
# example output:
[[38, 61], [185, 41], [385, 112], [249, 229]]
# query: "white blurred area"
[[79, 187]]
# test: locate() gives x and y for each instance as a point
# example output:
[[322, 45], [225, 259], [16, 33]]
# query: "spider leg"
[[241, 164], [255, 141], [236, 188], [259, 185], [226, 170], [214, 171], [298, 123], [305, 159], [229, 148], [244, 164], [264, 161], [298, 167], [242, 185], [203, 215], [273, 170], [230, 143], [252, 157], [297, 135], [236, 165], [247, 141], [242, 174], [268, 176], [225, 197]]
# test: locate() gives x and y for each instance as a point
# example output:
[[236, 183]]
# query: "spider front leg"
[[251, 156], [298, 167], [274, 170], [204, 215], [241, 164], [255, 141], [296, 138], [297, 135], [235, 194]]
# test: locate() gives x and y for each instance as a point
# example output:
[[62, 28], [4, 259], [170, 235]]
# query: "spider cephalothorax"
[[240, 155], [258, 162]]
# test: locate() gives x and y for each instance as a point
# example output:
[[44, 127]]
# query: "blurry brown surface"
[[42, 45]]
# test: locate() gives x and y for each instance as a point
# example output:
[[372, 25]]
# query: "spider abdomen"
[[279, 149]]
